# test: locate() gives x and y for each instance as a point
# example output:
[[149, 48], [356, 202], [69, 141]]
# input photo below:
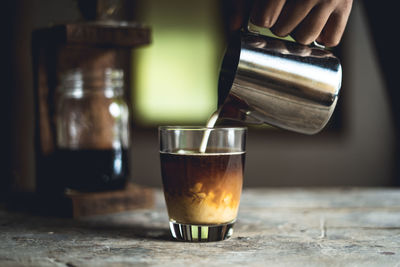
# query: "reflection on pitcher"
[[277, 82]]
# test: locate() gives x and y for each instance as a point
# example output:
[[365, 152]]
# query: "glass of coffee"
[[202, 174]]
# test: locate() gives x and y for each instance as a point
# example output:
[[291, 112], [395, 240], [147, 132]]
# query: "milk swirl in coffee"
[[202, 188]]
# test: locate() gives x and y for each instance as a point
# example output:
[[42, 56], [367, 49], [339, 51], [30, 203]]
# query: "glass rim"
[[200, 128]]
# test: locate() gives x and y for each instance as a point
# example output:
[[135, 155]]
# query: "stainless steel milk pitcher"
[[278, 82]]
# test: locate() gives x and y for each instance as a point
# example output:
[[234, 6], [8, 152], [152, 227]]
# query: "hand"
[[306, 21]]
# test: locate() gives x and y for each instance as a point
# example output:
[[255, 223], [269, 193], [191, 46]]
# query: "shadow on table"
[[99, 226], [127, 230]]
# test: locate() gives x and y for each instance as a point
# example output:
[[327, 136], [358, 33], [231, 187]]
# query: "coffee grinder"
[[100, 44]]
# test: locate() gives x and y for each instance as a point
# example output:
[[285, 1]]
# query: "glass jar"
[[92, 130]]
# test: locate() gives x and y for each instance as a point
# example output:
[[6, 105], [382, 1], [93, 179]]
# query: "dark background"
[[358, 150]]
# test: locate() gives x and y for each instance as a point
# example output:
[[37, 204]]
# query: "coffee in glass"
[[202, 188]]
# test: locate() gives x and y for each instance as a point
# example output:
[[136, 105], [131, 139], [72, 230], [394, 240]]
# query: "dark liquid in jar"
[[92, 170]]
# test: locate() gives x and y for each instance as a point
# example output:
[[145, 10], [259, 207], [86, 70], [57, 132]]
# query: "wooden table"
[[276, 227]]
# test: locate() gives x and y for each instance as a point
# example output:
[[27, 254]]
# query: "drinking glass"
[[202, 174]]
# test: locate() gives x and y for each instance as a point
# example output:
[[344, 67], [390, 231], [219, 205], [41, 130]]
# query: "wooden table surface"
[[276, 227]]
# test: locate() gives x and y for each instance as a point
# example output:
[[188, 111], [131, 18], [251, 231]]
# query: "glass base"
[[201, 233]]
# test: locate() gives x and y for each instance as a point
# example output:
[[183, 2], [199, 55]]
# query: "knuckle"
[[279, 32], [329, 2], [268, 23], [346, 4], [342, 5], [303, 38], [304, 41], [264, 20], [330, 41]]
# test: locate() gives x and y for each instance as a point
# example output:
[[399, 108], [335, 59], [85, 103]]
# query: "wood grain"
[[276, 227]]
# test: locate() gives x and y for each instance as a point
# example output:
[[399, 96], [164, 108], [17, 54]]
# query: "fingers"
[[311, 26], [305, 20], [293, 12], [333, 31], [239, 13], [265, 12]]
